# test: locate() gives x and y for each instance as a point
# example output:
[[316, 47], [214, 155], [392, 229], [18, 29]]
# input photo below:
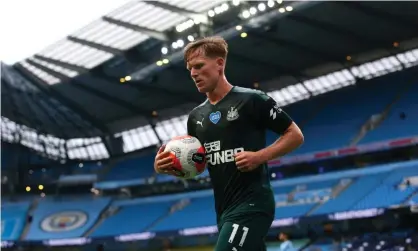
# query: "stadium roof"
[[115, 75]]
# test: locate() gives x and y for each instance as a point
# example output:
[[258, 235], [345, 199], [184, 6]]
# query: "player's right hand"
[[163, 163]]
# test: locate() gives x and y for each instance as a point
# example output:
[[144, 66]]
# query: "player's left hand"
[[247, 161]]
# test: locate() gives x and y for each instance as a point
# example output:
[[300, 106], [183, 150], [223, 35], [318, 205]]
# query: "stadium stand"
[[292, 199], [96, 104], [401, 120], [140, 217], [341, 114], [133, 168], [56, 219], [13, 219], [201, 209]]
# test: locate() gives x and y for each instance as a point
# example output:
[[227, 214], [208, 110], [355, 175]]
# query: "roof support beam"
[[152, 33], [134, 84], [98, 46], [274, 67], [152, 87], [347, 34], [279, 41], [400, 20], [67, 102], [178, 10], [73, 67], [31, 121], [103, 95]]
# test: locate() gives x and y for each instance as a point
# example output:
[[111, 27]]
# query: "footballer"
[[232, 125]]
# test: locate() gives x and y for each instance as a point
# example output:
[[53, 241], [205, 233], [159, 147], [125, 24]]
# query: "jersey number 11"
[[234, 232]]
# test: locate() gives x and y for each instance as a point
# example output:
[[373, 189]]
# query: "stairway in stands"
[[376, 119], [106, 213], [29, 215]]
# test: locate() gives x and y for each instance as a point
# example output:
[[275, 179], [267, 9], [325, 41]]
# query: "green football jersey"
[[238, 123]]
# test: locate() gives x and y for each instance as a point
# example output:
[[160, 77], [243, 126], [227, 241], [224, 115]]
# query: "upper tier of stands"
[[336, 116], [339, 116], [402, 120]]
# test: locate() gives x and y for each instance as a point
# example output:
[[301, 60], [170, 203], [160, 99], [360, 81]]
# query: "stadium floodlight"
[[238, 27], [190, 38], [218, 10], [235, 2], [378, 247], [261, 7], [253, 10], [222, 8], [159, 63], [282, 10], [270, 3], [289, 8], [28, 189], [200, 19], [185, 25], [246, 14], [244, 35], [166, 61], [211, 13], [180, 43], [279, 1], [365, 244], [382, 243], [164, 50], [174, 45], [408, 240], [225, 6], [128, 78]]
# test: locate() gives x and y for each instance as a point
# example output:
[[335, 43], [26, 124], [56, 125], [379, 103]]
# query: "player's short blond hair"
[[209, 46]]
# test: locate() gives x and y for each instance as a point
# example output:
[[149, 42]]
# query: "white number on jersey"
[[234, 232]]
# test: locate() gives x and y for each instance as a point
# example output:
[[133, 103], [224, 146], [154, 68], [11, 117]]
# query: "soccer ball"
[[188, 156]]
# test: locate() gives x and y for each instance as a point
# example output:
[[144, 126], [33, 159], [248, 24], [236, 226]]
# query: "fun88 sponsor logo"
[[64, 221], [215, 156]]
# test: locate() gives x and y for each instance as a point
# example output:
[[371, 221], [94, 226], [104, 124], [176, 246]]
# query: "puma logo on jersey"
[[200, 122]]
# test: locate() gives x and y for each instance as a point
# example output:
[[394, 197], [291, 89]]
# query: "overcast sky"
[[29, 26]]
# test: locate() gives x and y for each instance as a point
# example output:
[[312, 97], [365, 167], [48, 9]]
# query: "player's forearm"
[[288, 142]]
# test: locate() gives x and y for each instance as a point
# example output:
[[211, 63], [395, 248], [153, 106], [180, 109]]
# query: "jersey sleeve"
[[191, 128], [269, 115]]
